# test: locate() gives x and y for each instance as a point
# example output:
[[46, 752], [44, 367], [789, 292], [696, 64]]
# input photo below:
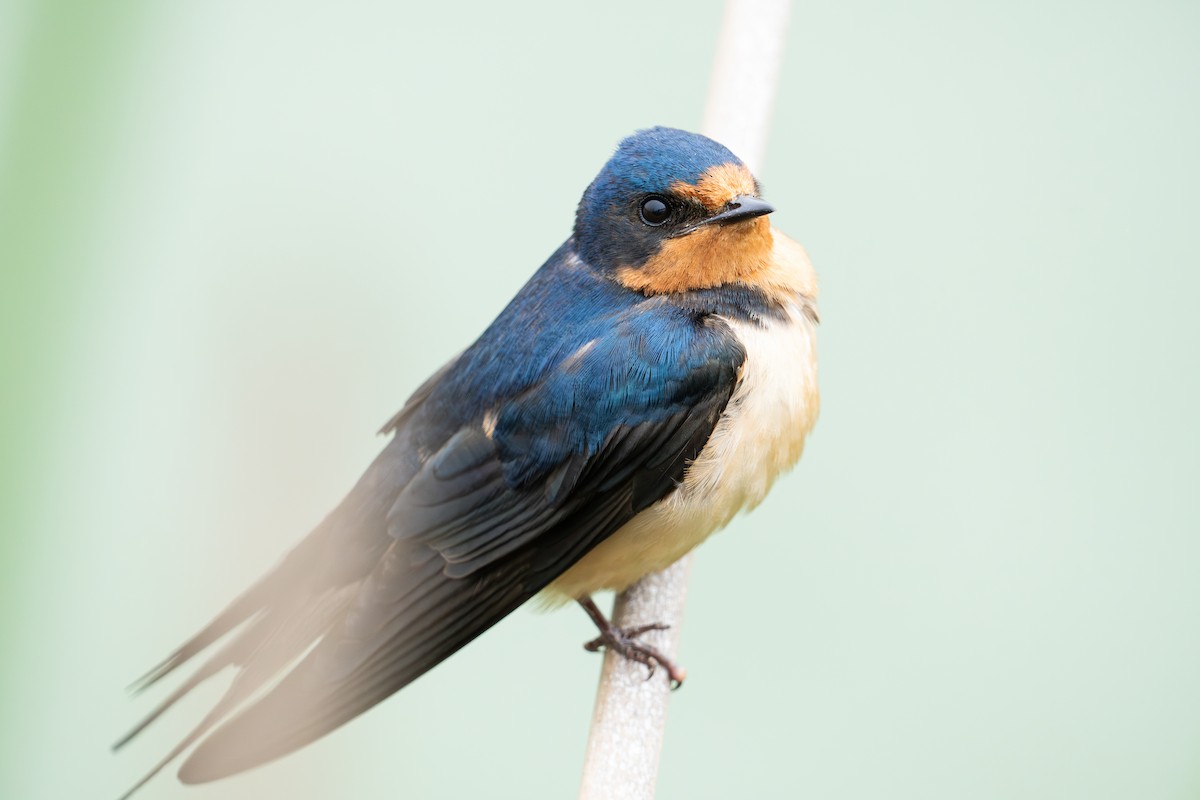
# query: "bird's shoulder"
[[573, 336]]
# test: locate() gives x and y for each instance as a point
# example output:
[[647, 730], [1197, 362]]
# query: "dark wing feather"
[[452, 541]]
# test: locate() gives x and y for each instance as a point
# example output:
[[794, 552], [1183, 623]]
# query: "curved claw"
[[624, 641]]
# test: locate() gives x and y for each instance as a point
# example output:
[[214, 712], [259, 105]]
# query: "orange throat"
[[708, 256]]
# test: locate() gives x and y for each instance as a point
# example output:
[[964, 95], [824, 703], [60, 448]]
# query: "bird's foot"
[[624, 641]]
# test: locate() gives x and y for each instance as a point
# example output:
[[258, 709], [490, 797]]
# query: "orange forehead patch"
[[718, 185]]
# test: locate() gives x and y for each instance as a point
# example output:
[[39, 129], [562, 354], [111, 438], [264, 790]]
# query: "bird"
[[652, 379]]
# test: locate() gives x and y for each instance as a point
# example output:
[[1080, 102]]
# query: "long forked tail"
[[269, 641], [389, 636], [305, 671]]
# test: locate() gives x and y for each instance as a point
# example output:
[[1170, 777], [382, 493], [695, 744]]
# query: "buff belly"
[[760, 435]]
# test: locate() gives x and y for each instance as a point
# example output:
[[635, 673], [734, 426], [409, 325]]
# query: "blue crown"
[[647, 162]]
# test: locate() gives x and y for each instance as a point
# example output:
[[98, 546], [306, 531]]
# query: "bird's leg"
[[624, 641]]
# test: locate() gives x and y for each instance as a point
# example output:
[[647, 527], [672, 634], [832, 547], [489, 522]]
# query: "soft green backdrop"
[[234, 235]]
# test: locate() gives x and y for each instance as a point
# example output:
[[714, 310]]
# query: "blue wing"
[[579, 407]]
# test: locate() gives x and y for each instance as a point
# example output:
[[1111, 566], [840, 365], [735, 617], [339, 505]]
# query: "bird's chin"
[[710, 255]]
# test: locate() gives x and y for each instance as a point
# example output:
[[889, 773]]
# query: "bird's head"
[[674, 211]]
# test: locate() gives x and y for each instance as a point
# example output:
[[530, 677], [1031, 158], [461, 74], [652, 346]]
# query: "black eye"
[[654, 211]]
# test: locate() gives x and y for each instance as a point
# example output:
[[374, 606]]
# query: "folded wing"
[[436, 545]]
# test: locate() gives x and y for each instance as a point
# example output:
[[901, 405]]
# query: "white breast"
[[760, 435], [763, 429]]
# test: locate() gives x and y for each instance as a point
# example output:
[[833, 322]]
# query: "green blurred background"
[[235, 235]]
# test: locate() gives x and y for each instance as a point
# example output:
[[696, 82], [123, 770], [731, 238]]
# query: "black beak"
[[739, 208]]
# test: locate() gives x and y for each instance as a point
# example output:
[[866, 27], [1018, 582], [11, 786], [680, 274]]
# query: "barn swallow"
[[652, 379]]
